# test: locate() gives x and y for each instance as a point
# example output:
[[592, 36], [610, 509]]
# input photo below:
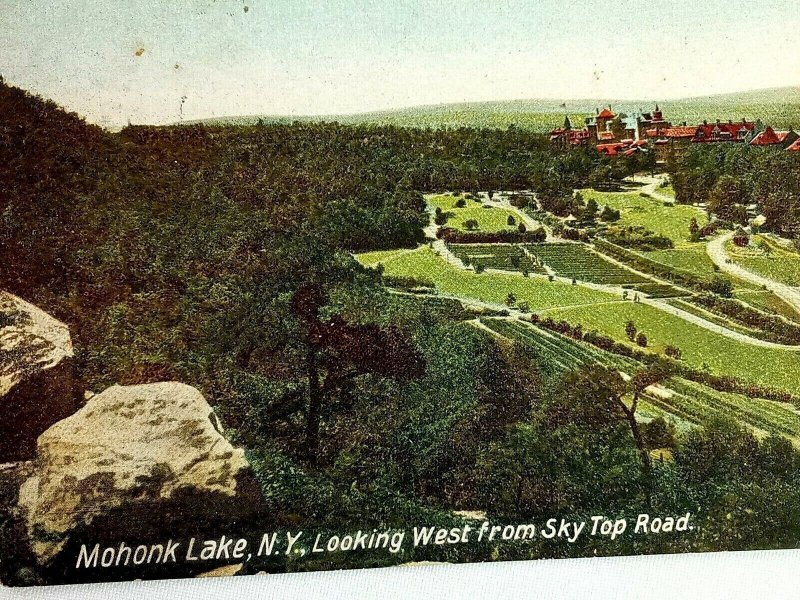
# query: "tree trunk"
[[638, 438], [314, 406]]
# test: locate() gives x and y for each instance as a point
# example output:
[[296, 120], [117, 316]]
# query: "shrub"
[[511, 220], [630, 330], [672, 352], [471, 224], [453, 236], [460, 203], [609, 214], [659, 433], [641, 340], [521, 228], [720, 285]]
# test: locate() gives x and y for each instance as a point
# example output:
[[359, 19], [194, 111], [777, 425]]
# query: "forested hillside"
[[220, 257]]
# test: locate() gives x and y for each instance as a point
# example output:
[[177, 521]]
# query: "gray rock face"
[[136, 463], [36, 383]]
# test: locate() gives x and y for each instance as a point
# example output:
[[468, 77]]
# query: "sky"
[[160, 61]]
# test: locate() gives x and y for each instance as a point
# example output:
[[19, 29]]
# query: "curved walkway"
[[716, 251], [700, 321], [651, 187], [452, 259]]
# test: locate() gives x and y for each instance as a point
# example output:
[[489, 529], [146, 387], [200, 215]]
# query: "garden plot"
[[505, 257], [576, 261]]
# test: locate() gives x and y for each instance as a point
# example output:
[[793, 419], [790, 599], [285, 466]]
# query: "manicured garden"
[[483, 217], [537, 292], [683, 402], [700, 347], [505, 257], [577, 261]]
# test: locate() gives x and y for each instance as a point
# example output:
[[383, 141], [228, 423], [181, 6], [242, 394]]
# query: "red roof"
[[673, 132], [606, 113], [794, 147], [768, 137], [723, 132], [606, 135]]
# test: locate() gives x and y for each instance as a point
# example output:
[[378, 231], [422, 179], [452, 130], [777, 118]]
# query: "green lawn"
[[685, 403], [693, 259], [490, 219], [780, 265], [603, 312], [488, 287], [769, 302], [776, 368], [670, 221]]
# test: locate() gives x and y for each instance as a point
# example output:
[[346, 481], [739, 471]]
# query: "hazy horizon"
[[156, 61]]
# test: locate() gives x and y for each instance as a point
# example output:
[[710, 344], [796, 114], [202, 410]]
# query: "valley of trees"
[[220, 257]]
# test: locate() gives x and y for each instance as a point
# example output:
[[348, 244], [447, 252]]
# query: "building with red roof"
[[795, 147], [741, 132], [606, 114], [567, 137], [770, 137], [670, 140]]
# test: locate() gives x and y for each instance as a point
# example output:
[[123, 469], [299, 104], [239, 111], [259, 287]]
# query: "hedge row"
[[720, 383], [453, 236], [776, 329]]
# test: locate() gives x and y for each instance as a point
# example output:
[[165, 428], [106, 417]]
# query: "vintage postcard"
[[295, 285]]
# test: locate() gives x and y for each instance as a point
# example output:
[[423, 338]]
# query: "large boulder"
[[36, 384], [135, 464]]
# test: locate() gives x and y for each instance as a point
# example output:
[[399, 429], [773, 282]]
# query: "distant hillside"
[[778, 106]]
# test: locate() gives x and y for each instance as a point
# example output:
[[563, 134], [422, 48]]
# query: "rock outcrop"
[[36, 384], [135, 464]]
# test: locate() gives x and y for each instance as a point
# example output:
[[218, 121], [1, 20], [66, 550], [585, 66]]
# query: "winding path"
[[716, 251]]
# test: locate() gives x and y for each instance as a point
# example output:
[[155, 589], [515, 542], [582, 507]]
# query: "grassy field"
[[670, 221], [487, 287], [579, 262], [489, 218], [779, 265], [692, 259], [700, 347], [683, 402], [603, 312], [769, 302]]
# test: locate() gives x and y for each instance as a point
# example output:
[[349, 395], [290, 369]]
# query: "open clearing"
[[490, 218], [779, 265], [491, 288], [671, 221]]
